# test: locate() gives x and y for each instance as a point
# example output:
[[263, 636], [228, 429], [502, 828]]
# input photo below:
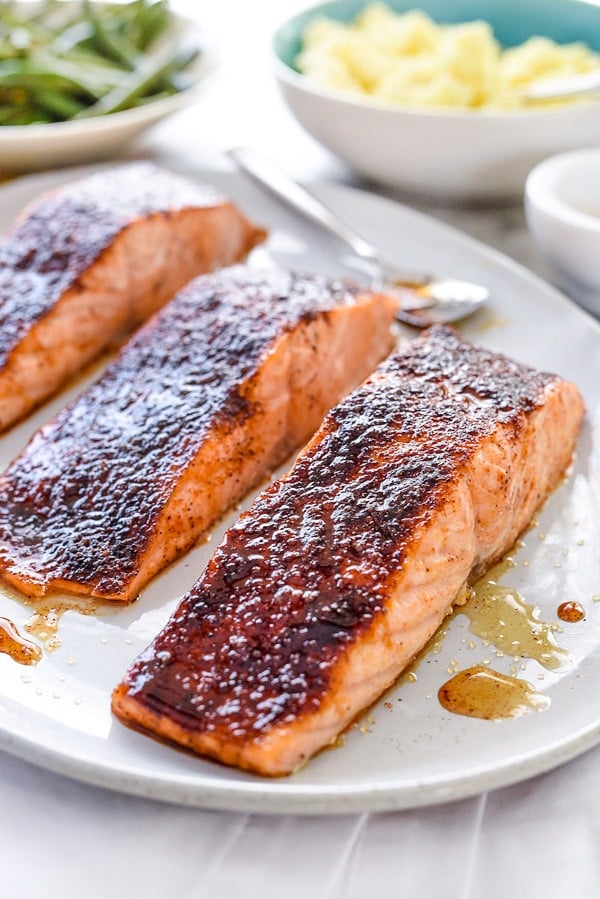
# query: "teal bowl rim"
[[290, 30]]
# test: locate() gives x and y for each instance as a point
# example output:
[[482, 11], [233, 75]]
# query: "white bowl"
[[562, 206], [27, 147], [446, 155]]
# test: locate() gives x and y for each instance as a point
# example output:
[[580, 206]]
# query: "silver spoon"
[[423, 299], [562, 88]]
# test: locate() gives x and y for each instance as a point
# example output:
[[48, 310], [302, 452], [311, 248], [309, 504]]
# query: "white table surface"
[[60, 838]]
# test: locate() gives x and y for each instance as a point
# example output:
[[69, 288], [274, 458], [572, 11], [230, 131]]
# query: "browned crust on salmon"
[[218, 388], [86, 263], [341, 571]]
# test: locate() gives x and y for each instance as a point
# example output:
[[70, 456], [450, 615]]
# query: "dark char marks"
[[82, 501], [303, 573], [62, 233]]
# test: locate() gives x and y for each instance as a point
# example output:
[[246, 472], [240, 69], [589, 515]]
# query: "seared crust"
[[88, 498], [255, 667], [87, 263], [63, 232]]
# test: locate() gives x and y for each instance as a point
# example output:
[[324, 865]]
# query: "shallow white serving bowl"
[[27, 147], [461, 156], [562, 205]]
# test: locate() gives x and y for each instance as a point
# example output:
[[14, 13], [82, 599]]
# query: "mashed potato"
[[408, 60]]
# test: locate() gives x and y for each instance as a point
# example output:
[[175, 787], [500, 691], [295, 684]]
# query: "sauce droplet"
[[500, 614], [17, 647], [43, 624], [45, 621], [480, 692], [570, 611], [46, 614]]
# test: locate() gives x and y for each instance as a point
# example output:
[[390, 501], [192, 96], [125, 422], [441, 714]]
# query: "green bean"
[[94, 80], [108, 41], [60, 61], [29, 77], [149, 76], [27, 117], [72, 37], [6, 110], [58, 104], [146, 101], [152, 21]]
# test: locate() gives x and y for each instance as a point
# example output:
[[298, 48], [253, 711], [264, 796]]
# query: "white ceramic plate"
[[408, 751]]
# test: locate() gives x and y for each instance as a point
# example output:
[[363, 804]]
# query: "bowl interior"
[[577, 185], [513, 21]]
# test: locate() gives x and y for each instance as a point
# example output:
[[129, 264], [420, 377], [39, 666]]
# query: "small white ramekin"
[[562, 206]]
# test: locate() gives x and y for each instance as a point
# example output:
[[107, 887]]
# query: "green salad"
[[61, 61]]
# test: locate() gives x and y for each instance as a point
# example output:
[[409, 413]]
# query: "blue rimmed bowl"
[[449, 155]]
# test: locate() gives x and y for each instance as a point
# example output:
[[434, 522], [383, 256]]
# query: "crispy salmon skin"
[[338, 575], [211, 394], [88, 262]]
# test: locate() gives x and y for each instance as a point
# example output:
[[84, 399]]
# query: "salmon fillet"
[[88, 262], [204, 400], [339, 574]]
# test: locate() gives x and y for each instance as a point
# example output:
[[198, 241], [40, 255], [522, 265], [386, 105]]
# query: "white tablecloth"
[[61, 839], [538, 839]]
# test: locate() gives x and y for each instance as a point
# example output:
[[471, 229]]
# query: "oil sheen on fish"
[[201, 404], [338, 575], [88, 262]]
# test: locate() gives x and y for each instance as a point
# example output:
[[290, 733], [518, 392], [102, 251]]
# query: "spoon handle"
[[444, 299], [562, 88], [268, 174]]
